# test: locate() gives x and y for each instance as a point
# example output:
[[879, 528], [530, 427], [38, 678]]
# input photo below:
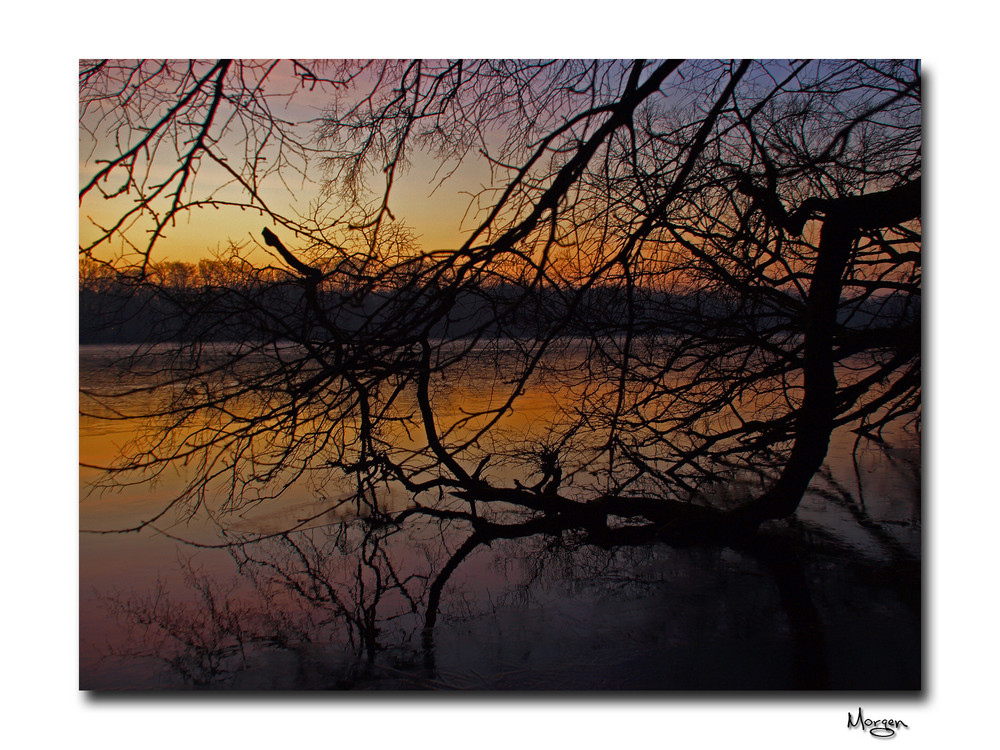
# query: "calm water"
[[830, 599]]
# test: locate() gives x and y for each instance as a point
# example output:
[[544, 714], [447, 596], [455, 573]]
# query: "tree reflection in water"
[[367, 605]]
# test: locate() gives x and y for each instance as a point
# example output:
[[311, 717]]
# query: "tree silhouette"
[[706, 267]]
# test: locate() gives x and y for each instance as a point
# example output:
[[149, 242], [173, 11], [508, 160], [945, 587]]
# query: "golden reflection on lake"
[[526, 589]]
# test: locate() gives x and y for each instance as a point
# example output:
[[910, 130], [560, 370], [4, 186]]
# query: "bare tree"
[[709, 267]]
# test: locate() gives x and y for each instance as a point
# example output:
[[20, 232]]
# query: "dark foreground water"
[[828, 600]]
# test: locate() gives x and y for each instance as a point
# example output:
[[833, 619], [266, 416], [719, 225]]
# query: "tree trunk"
[[844, 219]]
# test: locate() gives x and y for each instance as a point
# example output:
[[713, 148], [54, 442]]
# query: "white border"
[[39, 563]]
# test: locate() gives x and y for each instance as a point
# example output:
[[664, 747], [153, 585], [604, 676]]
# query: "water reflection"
[[827, 600]]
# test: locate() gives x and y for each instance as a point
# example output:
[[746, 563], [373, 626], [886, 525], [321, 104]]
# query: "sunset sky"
[[435, 213]]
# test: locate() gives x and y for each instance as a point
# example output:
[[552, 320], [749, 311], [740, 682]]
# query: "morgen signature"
[[875, 727]]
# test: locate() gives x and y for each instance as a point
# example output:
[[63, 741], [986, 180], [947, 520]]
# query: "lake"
[[306, 592]]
